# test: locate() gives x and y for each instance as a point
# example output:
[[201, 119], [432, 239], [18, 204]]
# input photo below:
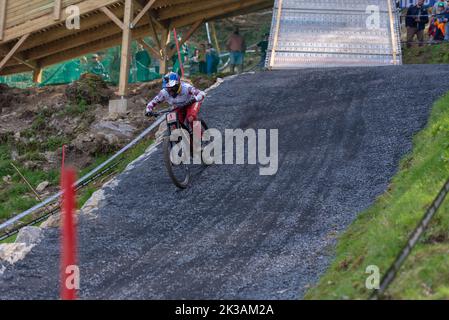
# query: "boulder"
[[119, 129], [13, 252], [7, 179], [29, 236], [42, 186]]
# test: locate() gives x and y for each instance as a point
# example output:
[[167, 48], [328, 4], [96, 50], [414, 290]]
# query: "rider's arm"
[[197, 94], [160, 98]]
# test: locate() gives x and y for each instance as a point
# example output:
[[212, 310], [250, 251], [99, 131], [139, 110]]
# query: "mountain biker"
[[183, 97]]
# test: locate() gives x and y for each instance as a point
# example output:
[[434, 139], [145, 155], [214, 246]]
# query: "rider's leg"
[[181, 115], [192, 113]]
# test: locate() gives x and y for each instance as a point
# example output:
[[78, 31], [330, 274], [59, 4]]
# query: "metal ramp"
[[333, 33]]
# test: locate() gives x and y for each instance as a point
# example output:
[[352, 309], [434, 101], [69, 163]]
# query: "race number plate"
[[172, 117]]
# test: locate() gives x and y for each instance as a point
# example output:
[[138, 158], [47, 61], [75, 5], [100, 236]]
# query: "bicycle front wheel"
[[179, 173]]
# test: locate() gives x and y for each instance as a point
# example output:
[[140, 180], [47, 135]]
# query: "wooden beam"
[[211, 13], [142, 12], [163, 63], [191, 31], [151, 50], [126, 49], [94, 46], [57, 10], [113, 17], [72, 42], [3, 4], [13, 50], [154, 35], [181, 10], [47, 21], [38, 75], [268, 4]]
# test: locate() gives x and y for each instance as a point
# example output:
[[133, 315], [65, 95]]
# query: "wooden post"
[[392, 30], [2, 18], [276, 33], [57, 10], [126, 49], [38, 75], [13, 50], [163, 65]]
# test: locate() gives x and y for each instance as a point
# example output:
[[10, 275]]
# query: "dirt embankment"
[[35, 123]]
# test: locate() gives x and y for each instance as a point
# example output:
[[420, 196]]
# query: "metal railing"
[[94, 174]]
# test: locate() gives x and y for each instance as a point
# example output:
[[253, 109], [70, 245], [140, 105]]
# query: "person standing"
[[263, 47], [237, 48], [143, 61], [416, 20], [202, 59], [211, 59]]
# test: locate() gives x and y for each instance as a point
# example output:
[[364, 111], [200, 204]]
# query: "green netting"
[[106, 64]]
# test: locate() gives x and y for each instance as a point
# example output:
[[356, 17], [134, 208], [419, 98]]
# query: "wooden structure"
[[39, 33]]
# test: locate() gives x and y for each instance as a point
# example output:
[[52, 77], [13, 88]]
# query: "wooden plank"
[[126, 49], [163, 63], [57, 10], [46, 22], [73, 42], [113, 17], [142, 12], [38, 75], [151, 50], [276, 33], [95, 20], [2, 18], [13, 50], [211, 13], [154, 35], [181, 10]]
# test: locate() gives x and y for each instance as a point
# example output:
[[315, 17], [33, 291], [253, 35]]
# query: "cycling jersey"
[[188, 96]]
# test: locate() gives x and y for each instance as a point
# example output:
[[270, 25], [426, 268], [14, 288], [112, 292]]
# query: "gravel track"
[[235, 234]]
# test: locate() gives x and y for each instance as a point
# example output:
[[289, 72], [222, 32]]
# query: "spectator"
[[440, 22], [194, 61], [416, 20], [237, 47], [202, 59], [263, 47], [212, 60], [436, 5], [143, 62]]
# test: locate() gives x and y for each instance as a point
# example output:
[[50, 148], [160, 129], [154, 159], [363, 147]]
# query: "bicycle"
[[178, 171]]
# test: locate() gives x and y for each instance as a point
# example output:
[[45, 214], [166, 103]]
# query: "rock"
[[42, 186], [7, 179], [31, 165], [52, 222], [13, 252], [93, 203], [120, 129], [29, 236]]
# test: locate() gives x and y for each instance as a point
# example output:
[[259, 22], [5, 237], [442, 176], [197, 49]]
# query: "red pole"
[[69, 268], [179, 52]]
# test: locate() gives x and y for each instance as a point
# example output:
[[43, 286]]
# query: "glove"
[[150, 113]]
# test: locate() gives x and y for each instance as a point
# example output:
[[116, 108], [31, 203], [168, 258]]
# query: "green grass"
[[15, 197], [379, 233], [427, 54]]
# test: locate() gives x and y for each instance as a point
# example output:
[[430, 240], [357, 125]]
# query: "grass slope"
[[427, 54], [379, 233]]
